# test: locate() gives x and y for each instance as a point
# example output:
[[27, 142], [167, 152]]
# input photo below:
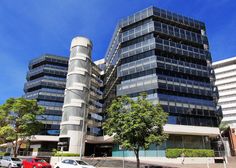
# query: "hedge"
[[66, 154], [174, 153], [4, 154]]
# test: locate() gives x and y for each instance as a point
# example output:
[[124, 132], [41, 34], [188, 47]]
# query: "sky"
[[30, 28]]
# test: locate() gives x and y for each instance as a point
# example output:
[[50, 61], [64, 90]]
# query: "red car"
[[35, 163]]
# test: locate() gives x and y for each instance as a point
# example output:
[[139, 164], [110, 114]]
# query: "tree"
[[135, 124], [223, 126], [18, 121]]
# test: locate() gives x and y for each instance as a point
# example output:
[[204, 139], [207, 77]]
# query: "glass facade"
[[46, 81], [155, 51], [167, 56]]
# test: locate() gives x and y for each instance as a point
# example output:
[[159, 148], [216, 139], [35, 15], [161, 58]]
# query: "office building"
[[225, 72], [165, 55], [46, 81], [155, 51]]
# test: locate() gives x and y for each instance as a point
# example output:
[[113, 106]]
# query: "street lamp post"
[[82, 136], [225, 150]]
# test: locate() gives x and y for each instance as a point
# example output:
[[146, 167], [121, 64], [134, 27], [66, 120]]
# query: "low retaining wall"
[[150, 160], [187, 160]]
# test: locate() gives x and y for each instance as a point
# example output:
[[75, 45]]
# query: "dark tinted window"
[[81, 162], [66, 161], [15, 159], [29, 160], [39, 160]]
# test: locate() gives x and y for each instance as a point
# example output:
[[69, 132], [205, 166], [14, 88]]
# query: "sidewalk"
[[131, 163]]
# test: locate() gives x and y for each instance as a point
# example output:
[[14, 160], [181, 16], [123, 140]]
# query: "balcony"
[[99, 139], [182, 49], [96, 70], [47, 84], [179, 33], [47, 69], [49, 58], [94, 123], [94, 109], [96, 82], [95, 95]]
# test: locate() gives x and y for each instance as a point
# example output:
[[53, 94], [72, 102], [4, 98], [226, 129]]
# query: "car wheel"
[[22, 166], [9, 166], [34, 166], [57, 167]]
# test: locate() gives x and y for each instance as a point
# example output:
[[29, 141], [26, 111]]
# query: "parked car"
[[70, 163], [0, 161], [35, 163], [10, 162]]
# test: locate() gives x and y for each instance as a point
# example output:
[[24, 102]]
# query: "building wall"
[[225, 72], [46, 81], [82, 94], [165, 55], [154, 51]]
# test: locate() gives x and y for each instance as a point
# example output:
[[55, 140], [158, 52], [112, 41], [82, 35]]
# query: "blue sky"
[[30, 28]]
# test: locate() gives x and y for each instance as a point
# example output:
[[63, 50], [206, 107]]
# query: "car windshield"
[[81, 162], [15, 159], [39, 160]]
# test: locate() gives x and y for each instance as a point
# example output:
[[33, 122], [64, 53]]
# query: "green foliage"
[[66, 154], [174, 153], [224, 126], [54, 151], [135, 124], [18, 119], [4, 154]]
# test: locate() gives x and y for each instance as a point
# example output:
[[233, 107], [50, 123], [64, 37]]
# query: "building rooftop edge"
[[224, 62]]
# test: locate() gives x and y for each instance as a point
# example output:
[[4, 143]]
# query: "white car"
[[10, 162], [0, 161], [70, 163]]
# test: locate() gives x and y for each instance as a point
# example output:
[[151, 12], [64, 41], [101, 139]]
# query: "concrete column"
[[76, 95]]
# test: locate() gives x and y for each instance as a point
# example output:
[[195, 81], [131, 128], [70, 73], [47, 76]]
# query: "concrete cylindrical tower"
[[76, 96]]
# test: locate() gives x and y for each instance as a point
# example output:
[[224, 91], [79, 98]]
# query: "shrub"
[[54, 151], [174, 153], [66, 154], [7, 154], [4, 154]]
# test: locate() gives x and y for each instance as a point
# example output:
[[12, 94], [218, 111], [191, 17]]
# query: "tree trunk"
[[15, 147], [137, 157], [18, 147]]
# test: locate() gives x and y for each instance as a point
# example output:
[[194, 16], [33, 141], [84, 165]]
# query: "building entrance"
[[99, 150]]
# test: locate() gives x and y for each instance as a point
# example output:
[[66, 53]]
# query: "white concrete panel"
[[227, 80], [191, 130], [81, 41], [225, 69], [233, 118]]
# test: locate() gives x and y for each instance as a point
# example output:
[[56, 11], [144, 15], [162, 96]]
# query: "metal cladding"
[[76, 93]]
